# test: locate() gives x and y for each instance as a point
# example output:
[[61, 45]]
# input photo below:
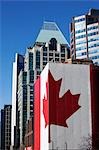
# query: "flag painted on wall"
[[63, 106]]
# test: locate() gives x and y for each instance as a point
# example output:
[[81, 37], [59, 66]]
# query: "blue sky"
[[20, 22]]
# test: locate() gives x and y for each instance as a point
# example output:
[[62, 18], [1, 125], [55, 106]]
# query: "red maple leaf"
[[57, 110]]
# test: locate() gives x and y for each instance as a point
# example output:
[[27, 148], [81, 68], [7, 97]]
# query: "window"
[[93, 45], [80, 42], [57, 55], [93, 39], [62, 55], [31, 76], [44, 49], [93, 51], [50, 59], [62, 49], [79, 20], [24, 77], [44, 53], [30, 60], [37, 59], [44, 58], [95, 57], [38, 72], [80, 31], [57, 59], [50, 54], [93, 33], [53, 44], [81, 36], [80, 48], [92, 28], [44, 63]]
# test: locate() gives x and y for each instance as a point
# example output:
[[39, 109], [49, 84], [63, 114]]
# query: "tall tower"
[[6, 127], [17, 66], [50, 46], [85, 36], [2, 130]]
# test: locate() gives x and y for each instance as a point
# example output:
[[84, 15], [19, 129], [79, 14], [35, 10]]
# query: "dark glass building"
[[6, 127]]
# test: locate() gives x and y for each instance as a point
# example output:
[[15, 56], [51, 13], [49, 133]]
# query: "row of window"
[[83, 30], [96, 63], [80, 31], [81, 48], [47, 26], [84, 35], [90, 40], [81, 36], [93, 33], [94, 51], [80, 42], [94, 45], [93, 27], [79, 20], [95, 57], [81, 54], [93, 39]]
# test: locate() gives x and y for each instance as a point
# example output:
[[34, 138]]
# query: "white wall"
[[76, 78]]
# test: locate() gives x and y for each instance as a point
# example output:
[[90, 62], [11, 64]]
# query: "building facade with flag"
[[66, 107], [50, 46]]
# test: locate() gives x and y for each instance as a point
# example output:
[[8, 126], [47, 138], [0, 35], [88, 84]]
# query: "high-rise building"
[[50, 46], [22, 103], [17, 66], [6, 127], [2, 129], [85, 36]]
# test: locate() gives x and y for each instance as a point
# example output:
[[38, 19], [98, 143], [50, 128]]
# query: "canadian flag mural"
[[65, 109]]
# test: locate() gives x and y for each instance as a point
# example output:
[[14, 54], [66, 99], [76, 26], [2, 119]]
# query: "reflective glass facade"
[[85, 36]]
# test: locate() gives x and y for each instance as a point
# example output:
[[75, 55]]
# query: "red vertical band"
[[37, 115], [94, 78]]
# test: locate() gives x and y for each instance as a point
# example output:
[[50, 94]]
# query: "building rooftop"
[[50, 30]]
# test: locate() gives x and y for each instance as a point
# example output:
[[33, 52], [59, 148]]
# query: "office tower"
[[28, 67], [17, 66], [22, 103], [50, 46], [2, 129], [6, 127], [85, 36]]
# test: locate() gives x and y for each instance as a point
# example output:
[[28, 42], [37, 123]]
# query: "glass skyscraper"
[[17, 66], [85, 36]]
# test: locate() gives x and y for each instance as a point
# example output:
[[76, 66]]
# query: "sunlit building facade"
[[18, 65], [85, 36], [50, 46]]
